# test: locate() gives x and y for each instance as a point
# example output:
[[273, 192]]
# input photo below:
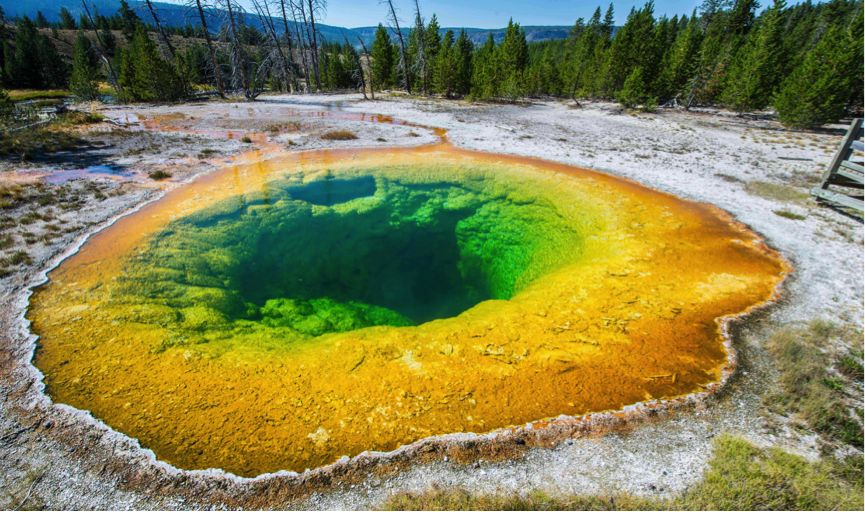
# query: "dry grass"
[[159, 175], [339, 135], [288, 126], [821, 384], [740, 477], [789, 215]]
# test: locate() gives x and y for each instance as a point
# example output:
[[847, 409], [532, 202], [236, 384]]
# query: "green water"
[[340, 253]]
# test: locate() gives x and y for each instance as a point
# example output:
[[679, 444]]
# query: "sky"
[[487, 13]]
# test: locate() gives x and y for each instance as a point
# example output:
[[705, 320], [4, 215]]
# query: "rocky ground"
[[55, 457]]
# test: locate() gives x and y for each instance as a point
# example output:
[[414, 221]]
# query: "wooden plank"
[[858, 145], [838, 199], [843, 153], [851, 166]]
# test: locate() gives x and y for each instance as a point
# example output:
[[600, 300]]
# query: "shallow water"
[[281, 314], [62, 176]]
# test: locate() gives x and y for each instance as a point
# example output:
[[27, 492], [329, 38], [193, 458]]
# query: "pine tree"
[[67, 22], [41, 20], [109, 42], [633, 47], [416, 49], [445, 71], [680, 63], [484, 70], [755, 74], [635, 91], [382, 55], [145, 76], [431, 45], [511, 59], [84, 80], [129, 21], [54, 70], [23, 68], [816, 92], [463, 64]]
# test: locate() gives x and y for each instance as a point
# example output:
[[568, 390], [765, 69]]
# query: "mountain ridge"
[[174, 15]]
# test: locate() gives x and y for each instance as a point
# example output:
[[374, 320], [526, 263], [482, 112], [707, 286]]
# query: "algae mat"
[[283, 313]]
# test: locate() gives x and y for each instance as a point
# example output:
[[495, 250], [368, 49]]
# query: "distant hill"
[[479, 35], [178, 15]]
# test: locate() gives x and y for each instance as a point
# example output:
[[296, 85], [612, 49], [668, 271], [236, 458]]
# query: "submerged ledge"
[[509, 441]]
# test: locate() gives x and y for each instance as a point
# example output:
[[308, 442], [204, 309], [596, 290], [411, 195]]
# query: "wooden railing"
[[845, 172]]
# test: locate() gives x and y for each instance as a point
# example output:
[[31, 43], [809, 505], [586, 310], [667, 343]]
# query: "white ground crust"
[[707, 157]]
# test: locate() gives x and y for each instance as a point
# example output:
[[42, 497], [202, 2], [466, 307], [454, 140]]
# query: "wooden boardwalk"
[[841, 185]]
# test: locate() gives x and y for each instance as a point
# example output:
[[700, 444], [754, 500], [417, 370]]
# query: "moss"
[[740, 476]]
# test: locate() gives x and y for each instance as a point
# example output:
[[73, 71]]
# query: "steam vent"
[[282, 314]]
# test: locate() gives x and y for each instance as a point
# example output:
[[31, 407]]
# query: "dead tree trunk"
[[313, 39], [287, 34], [300, 41], [371, 77], [238, 60], [159, 29], [420, 64], [402, 56], [359, 65], [100, 47], [214, 62], [266, 20]]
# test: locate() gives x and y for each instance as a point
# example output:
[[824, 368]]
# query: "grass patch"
[[775, 192], [788, 215], [35, 94], [339, 135], [18, 258], [159, 175], [27, 143], [811, 389], [77, 118], [740, 476]]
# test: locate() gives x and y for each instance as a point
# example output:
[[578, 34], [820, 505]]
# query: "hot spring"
[[282, 314]]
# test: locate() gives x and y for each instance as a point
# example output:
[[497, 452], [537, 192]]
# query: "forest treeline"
[[804, 60]]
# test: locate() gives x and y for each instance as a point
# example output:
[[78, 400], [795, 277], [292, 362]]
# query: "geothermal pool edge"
[[507, 442]]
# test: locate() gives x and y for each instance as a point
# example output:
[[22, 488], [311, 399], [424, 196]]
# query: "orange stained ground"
[[634, 319]]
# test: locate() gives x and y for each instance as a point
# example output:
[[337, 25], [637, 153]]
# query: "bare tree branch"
[[403, 61], [100, 47], [159, 29], [263, 11], [371, 77], [214, 62]]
